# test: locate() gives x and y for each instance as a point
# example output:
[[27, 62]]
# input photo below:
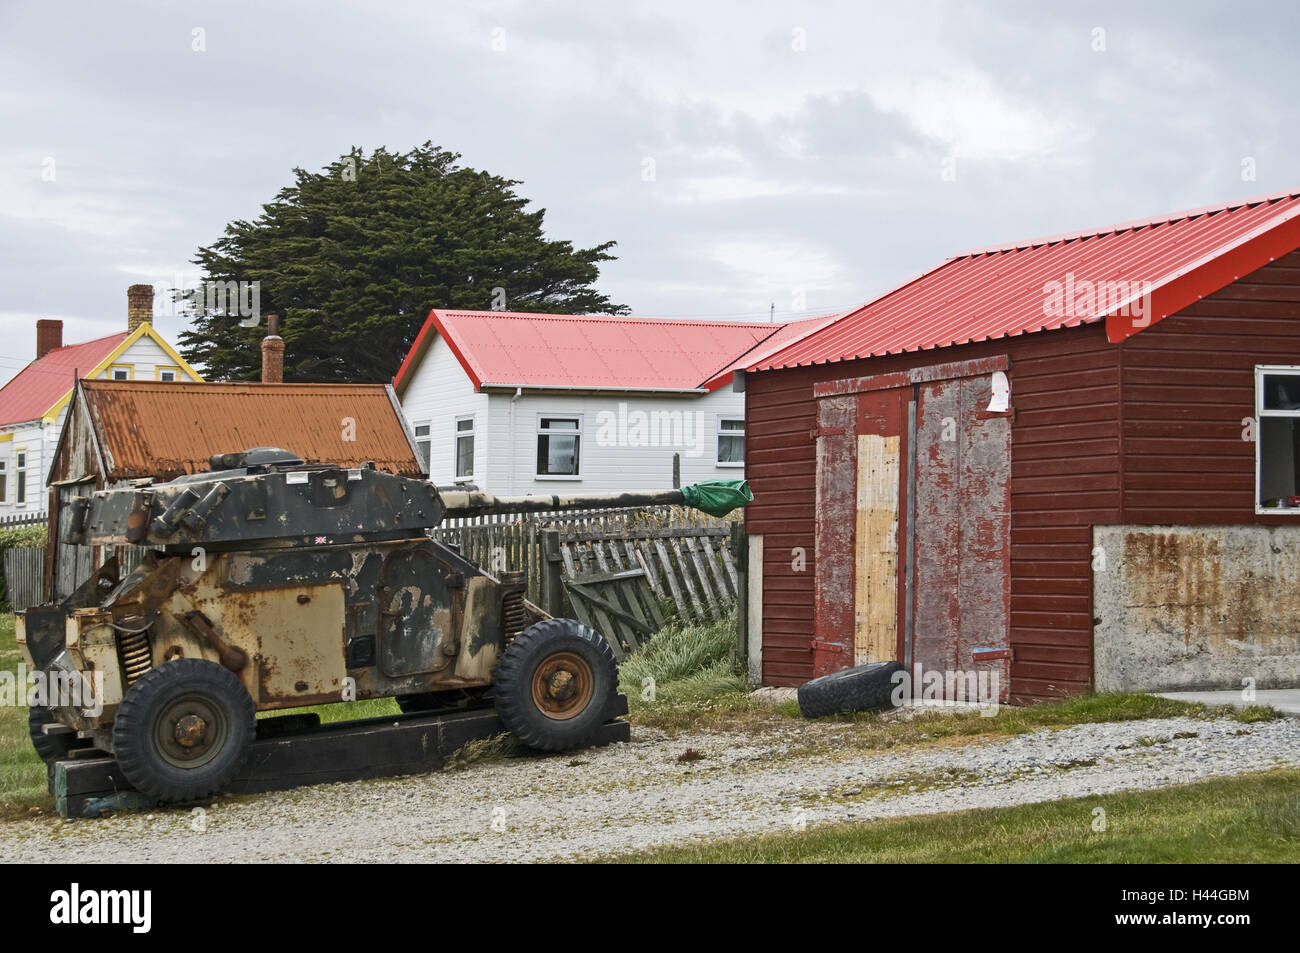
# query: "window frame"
[[161, 369], [741, 433], [426, 459], [574, 477], [456, 436], [4, 479], [1261, 371], [114, 368], [21, 468]]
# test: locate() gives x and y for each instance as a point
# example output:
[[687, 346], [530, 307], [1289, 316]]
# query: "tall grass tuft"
[[686, 662]]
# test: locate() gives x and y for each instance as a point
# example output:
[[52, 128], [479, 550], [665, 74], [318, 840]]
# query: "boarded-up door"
[[937, 596], [860, 448]]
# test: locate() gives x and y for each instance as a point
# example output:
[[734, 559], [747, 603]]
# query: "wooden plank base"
[[310, 754]]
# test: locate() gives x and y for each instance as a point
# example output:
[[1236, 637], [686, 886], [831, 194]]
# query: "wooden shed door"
[[947, 609], [861, 446]]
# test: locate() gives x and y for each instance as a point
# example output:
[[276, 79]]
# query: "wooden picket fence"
[[686, 556], [24, 569], [21, 519]]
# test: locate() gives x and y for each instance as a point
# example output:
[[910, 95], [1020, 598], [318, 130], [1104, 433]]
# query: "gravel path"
[[630, 796]]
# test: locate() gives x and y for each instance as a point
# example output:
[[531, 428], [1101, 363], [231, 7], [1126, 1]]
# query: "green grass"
[[22, 773], [1250, 819]]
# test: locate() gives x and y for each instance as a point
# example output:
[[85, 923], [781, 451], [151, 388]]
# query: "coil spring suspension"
[[513, 617], [137, 655]]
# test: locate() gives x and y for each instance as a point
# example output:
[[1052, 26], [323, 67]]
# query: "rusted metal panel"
[[162, 430]]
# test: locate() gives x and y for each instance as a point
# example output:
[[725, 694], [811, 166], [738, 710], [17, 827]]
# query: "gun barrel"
[[478, 503]]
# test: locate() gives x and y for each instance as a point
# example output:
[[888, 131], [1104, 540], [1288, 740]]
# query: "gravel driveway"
[[630, 796]]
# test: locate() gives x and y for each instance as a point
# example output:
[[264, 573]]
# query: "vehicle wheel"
[[556, 684], [51, 748], [864, 688], [184, 730]]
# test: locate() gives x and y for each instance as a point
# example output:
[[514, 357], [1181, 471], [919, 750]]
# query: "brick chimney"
[[139, 306], [272, 352], [49, 335]]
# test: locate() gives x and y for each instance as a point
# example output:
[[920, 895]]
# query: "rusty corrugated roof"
[[1050, 282], [165, 429]]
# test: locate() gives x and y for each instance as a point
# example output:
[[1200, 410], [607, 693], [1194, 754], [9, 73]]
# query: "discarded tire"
[[864, 688], [556, 684], [183, 730]]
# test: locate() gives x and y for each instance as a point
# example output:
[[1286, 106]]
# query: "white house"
[[34, 404], [547, 403]]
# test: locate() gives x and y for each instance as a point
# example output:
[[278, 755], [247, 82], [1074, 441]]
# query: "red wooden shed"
[[1130, 521]]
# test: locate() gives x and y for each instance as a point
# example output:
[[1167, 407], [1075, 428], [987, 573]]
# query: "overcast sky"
[[807, 155]]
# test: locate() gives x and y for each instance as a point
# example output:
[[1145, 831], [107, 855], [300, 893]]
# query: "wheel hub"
[[190, 731], [563, 685]]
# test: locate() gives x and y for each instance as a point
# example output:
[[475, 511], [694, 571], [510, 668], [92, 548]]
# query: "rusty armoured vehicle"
[[269, 583]]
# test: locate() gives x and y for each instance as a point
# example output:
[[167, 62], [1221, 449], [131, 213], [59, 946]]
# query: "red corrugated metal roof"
[[42, 383], [1007, 290], [587, 351], [163, 430]]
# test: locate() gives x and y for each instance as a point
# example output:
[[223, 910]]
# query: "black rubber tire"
[[864, 688], [137, 723], [513, 684], [51, 748]]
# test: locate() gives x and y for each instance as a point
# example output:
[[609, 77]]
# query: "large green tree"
[[353, 257]]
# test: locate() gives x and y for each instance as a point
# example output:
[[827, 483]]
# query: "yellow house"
[[34, 404]]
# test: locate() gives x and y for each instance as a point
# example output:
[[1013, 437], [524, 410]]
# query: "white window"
[[464, 448], [423, 444], [167, 373], [731, 441], [4, 480], [559, 446], [20, 477], [1277, 441], [121, 372]]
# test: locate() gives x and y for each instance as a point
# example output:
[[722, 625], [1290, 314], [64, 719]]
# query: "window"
[[423, 444], [4, 480], [167, 373], [1277, 441], [464, 448], [731, 441], [20, 477], [559, 444], [121, 372]]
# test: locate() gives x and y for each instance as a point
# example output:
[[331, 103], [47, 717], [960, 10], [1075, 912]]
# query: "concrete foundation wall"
[[1178, 607]]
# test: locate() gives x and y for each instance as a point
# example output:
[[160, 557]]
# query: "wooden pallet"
[[292, 751]]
